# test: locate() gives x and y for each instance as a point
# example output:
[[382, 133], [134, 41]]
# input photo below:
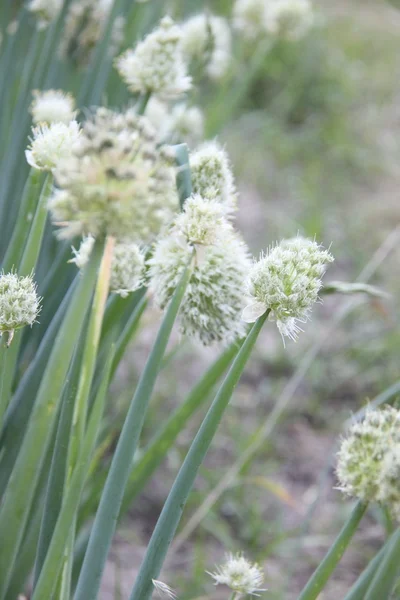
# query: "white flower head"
[[206, 43], [46, 11], [52, 143], [286, 281], [240, 575], [52, 106], [181, 123], [156, 64], [212, 175], [119, 181], [250, 17], [368, 464], [213, 300], [84, 26], [289, 19], [19, 303]]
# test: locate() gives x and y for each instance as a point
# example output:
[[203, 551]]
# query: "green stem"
[[175, 503], [362, 584], [386, 574], [3, 396], [142, 103], [110, 503], [319, 579]]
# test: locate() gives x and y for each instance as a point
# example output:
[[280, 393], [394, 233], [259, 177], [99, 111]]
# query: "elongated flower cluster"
[[156, 65], [288, 19], [117, 182], [19, 303], [212, 176], [52, 106], [84, 26], [127, 266], [369, 459], [240, 575], [213, 300], [52, 143], [287, 281], [45, 11], [206, 43]]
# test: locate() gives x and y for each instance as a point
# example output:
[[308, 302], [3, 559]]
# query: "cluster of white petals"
[[240, 575], [207, 44], [176, 124], [286, 281], [368, 465], [84, 26], [212, 175], [156, 64], [52, 106], [45, 11], [52, 143], [19, 302], [119, 181]]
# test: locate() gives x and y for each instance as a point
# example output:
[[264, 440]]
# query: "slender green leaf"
[[387, 572], [110, 503], [362, 584], [175, 503], [321, 576]]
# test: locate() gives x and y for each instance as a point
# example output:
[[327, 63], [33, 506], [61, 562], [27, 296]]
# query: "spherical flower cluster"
[[369, 459], [286, 281], [180, 123], [118, 181], [206, 43], [84, 26], [156, 64], [46, 11], [213, 300], [212, 176], [51, 144], [19, 303], [52, 106], [239, 575], [289, 19]]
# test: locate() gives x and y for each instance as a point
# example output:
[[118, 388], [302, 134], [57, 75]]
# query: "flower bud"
[[19, 303], [52, 143], [52, 106], [240, 575]]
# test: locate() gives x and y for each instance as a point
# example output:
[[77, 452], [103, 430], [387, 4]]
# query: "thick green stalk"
[[319, 579], [110, 503], [51, 568], [175, 503], [24, 220], [362, 584], [386, 574], [18, 496]]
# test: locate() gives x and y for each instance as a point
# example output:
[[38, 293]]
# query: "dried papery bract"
[[286, 280], [240, 575], [212, 175], [19, 303], [52, 143], [207, 44], [213, 300], [127, 266], [52, 106], [45, 11], [118, 181], [84, 26], [368, 464], [156, 65]]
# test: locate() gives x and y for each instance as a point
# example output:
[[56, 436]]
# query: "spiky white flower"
[[286, 281], [206, 43], [212, 176], [163, 590], [19, 303], [52, 106], [249, 17], [156, 64], [46, 11], [240, 575], [180, 123], [52, 143], [368, 465], [289, 19], [118, 181], [213, 300], [84, 26]]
